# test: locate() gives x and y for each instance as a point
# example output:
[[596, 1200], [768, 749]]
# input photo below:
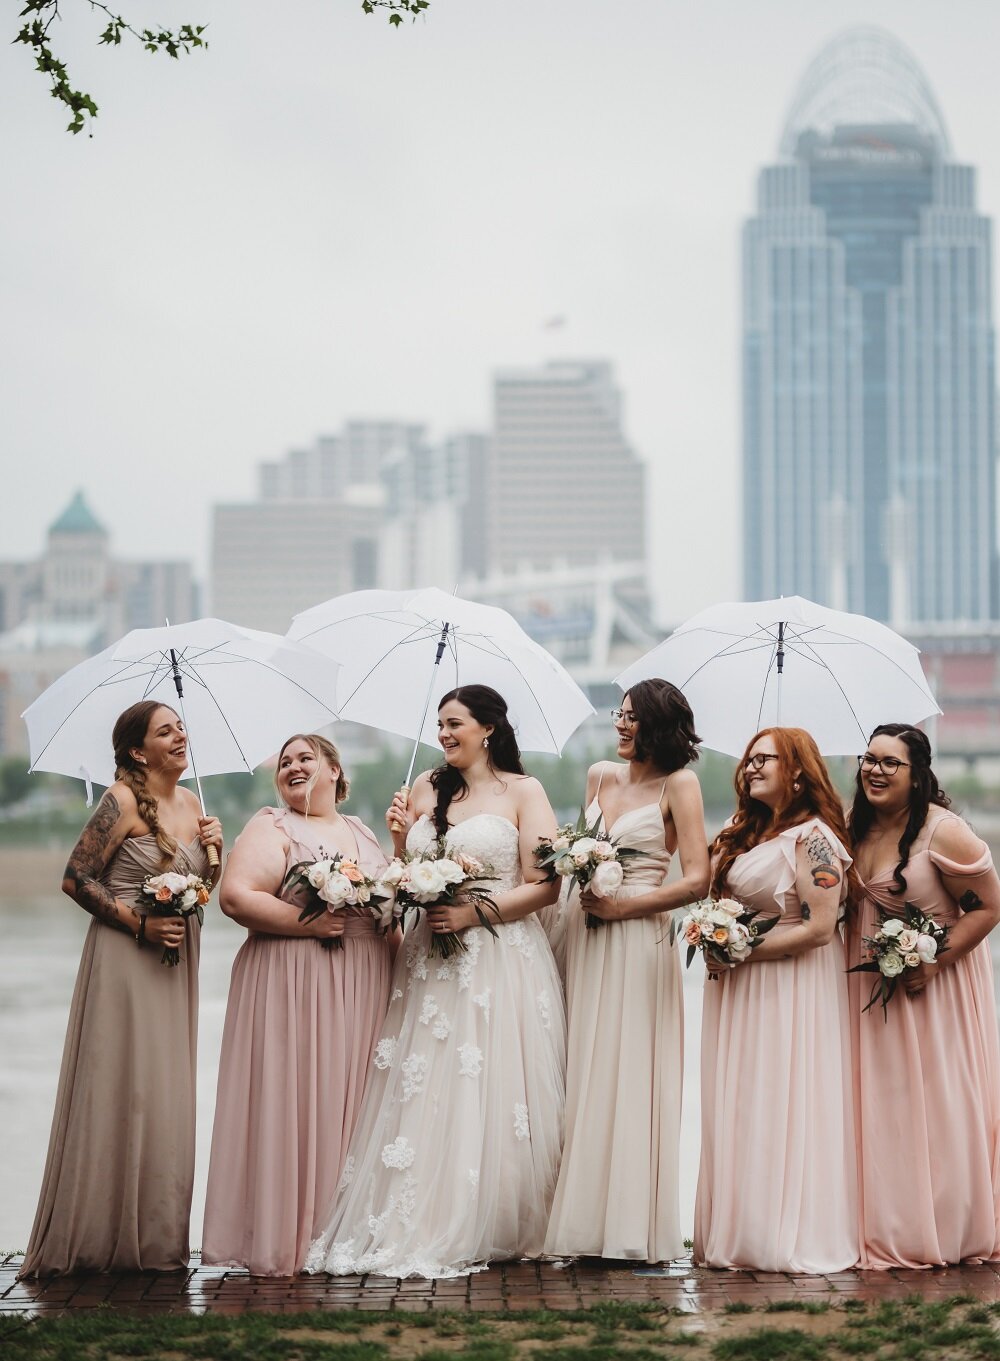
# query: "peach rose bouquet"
[[335, 882], [900, 943], [176, 895], [587, 856], [724, 930]]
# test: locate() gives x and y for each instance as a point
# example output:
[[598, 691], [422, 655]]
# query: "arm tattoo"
[[969, 901], [806, 912], [86, 862], [822, 866]]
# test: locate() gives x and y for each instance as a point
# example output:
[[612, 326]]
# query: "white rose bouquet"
[[440, 875], [334, 882], [900, 943], [176, 895], [586, 855], [724, 931]]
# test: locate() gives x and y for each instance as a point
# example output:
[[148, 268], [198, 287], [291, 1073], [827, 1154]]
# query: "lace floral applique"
[[341, 1259], [347, 1176], [518, 936], [482, 1001], [376, 1223], [470, 1060], [428, 1011], [416, 962], [414, 1070], [441, 1028], [406, 1200], [400, 1153], [474, 1179], [544, 1003], [521, 1128], [396, 994], [385, 1052]]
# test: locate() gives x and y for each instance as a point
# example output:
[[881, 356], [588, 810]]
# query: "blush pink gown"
[[927, 1085], [301, 1026], [777, 1188]]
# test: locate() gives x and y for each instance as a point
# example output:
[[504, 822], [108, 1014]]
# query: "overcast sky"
[[323, 218]]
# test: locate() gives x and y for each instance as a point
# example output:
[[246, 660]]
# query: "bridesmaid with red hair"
[[928, 1070], [777, 1189]]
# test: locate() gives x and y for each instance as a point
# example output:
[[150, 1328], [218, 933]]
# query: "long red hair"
[[799, 762]]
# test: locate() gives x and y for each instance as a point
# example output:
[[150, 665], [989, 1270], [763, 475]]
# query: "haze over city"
[[321, 219]]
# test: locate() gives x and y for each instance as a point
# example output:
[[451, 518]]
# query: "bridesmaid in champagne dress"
[[301, 1024], [455, 1155], [928, 1071], [777, 1189], [116, 1194], [617, 1195]]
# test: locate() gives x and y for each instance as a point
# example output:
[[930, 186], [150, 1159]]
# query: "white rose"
[[891, 964], [176, 883], [451, 871], [189, 897], [892, 927], [384, 911], [582, 849], [337, 890], [362, 893], [906, 941], [425, 883], [607, 878], [605, 850], [392, 874], [565, 865], [926, 949], [319, 873], [730, 906], [561, 843], [911, 960]]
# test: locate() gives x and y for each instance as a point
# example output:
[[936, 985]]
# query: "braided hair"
[[490, 709], [925, 792], [130, 731]]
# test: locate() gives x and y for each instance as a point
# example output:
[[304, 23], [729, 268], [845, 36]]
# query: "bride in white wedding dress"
[[455, 1155]]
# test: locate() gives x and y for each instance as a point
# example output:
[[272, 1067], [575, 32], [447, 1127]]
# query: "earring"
[[795, 786], [486, 742]]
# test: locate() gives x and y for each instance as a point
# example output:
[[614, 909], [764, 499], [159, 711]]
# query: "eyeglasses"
[[620, 716], [887, 764], [761, 759]]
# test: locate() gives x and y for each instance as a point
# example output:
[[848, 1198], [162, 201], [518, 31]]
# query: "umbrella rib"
[[79, 704]]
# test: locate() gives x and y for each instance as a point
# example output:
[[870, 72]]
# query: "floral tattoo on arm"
[[970, 900], [86, 862], [824, 869]]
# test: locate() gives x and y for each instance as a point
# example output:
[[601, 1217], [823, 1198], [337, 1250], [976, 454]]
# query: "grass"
[[913, 1329]]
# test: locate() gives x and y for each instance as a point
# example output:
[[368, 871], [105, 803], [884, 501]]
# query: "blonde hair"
[[130, 731], [322, 748]]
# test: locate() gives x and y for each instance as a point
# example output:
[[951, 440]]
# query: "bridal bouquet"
[[440, 875], [724, 931], [176, 895], [900, 943], [587, 856], [334, 882]]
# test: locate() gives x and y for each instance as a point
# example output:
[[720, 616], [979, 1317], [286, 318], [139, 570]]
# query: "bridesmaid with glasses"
[[927, 1070], [618, 1186]]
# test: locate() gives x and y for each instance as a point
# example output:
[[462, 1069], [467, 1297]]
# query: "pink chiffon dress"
[[301, 1026], [777, 1188], [927, 1081]]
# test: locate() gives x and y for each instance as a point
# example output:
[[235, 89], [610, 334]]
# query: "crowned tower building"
[[869, 437]]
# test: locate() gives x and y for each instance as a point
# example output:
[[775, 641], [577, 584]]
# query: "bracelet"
[[140, 935]]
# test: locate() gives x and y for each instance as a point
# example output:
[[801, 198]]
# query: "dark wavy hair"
[[665, 732], [490, 709], [925, 792], [130, 731]]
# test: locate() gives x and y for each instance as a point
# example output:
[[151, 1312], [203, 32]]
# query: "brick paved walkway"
[[506, 1287]]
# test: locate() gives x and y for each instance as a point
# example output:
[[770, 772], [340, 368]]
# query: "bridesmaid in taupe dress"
[[116, 1194]]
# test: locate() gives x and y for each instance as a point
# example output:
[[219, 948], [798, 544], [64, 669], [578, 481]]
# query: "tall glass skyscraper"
[[869, 443]]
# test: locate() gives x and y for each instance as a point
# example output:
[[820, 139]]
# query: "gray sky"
[[338, 220]]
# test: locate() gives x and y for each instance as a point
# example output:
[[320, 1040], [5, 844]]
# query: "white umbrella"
[[789, 663], [243, 693], [400, 651]]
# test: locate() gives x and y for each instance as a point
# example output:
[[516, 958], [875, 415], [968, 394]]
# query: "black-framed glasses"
[[887, 764], [760, 760], [620, 716]]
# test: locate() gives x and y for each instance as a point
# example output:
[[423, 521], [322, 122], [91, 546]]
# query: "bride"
[[456, 1152]]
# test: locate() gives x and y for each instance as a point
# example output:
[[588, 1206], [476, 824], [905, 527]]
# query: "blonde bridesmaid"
[[777, 1189], [928, 1071], [116, 1194], [617, 1194], [301, 1024]]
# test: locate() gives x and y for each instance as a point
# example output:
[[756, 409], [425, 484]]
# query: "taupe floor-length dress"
[[116, 1192]]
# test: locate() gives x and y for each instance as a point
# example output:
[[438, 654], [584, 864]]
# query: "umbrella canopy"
[[387, 642], [244, 693], [790, 663]]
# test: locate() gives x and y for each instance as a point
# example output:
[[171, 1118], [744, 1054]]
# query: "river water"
[[42, 933]]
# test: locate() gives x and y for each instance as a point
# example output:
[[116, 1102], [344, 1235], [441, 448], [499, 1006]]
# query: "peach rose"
[[692, 933], [163, 894], [203, 896], [720, 935], [350, 871]]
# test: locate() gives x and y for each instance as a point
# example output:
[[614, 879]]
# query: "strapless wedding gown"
[[455, 1156], [618, 1188]]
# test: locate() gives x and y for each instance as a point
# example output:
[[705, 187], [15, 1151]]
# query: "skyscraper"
[[869, 443]]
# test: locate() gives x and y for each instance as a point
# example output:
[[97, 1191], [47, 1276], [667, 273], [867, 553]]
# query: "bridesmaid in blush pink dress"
[[777, 1189], [301, 1025], [927, 1072]]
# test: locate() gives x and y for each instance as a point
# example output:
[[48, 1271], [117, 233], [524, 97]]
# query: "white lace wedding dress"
[[456, 1152]]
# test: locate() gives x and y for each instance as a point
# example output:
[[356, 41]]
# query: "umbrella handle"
[[213, 856], [395, 826]]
